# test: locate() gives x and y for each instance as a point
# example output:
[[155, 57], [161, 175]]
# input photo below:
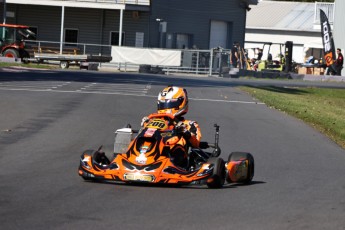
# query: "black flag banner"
[[327, 40]]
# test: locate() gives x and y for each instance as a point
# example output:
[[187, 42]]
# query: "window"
[[139, 39], [71, 36], [114, 38], [169, 41], [184, 41]]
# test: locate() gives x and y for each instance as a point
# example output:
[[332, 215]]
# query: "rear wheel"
[[64, 64], [218, 176], [11, 53], [242, 156]]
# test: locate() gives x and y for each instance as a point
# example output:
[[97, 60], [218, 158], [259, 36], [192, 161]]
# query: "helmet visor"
[[170, 104]]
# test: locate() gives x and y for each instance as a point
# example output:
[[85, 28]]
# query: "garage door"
[[218, 34]]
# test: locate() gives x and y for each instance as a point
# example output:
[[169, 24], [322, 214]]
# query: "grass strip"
[[322, 108], [29, 65]]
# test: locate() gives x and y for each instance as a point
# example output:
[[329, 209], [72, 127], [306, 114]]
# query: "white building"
[[278, 22], [339, 22]]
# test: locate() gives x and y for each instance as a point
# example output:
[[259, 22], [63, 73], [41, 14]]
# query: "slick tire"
[[237, 156], [218, 176]]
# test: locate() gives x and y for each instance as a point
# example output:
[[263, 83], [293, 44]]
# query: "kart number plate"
[[157, 124], [138, 177]]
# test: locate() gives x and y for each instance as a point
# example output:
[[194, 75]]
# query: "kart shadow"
[[234, 185], [174, 186]]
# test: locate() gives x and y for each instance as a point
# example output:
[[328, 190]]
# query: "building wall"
[[339, 22], [94, 25], [131, 25], [192, 17]]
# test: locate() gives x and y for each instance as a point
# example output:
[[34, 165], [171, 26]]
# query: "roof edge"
[[281, 29]]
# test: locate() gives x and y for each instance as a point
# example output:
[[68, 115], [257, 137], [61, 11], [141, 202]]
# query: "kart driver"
[[174, 100]]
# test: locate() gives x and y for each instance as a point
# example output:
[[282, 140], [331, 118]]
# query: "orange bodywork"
[[162, 171], [148, 159]]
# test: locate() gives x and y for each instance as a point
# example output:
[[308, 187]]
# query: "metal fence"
[[207, 62], [202, 62], [131, 2], [67, 48]]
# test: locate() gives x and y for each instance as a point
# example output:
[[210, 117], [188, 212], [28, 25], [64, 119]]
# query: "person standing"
[[339, 62], [234, 56], [260, 53]]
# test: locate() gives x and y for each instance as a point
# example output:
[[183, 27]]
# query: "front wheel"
[[217, 178], [248, 159]]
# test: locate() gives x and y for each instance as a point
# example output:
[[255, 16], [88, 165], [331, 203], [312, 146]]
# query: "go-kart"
[[159, 154]]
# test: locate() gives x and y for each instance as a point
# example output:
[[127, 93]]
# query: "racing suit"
[[190, 130], [191, 133]]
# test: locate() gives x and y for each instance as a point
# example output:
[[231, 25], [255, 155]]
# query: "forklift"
[[285, 60]]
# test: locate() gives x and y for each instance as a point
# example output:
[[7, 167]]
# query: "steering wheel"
[[166, 116]]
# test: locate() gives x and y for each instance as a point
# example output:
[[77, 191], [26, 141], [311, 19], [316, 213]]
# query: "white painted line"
[[129, 94], [24, 86], [219, 100]]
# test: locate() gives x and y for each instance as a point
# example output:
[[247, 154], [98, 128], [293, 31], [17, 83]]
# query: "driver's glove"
[[182, 129], [143, 121]]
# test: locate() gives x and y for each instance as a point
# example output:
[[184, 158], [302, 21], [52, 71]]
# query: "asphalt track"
[[47, 118]]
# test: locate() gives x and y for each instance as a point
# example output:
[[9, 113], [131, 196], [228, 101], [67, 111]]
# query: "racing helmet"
[[173, 100]]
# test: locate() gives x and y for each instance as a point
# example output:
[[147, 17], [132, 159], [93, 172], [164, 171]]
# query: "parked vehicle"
[[12, 40]]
